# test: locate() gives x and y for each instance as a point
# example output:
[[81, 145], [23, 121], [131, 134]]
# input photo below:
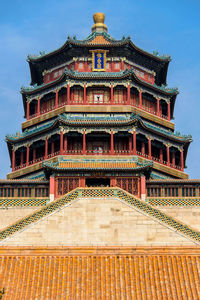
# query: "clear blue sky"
[[170, 27]]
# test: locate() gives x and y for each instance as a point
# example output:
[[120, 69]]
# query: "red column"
[[34, 154], [168, 156], [52, 188], [65, 144], [52, 148], [27, 155], [61, 143], [111, 95], [111, 143], [140, 99], [173, 159], [56, 102], [168, 111], [21, 159], [28, 109], [143, 148], [161, 155], [68, 94], [13, 160], [38, 106], [134, 143], [182, 161], [82, 182], [84, 142], [128, 94], [46, 149], [149, 148], [143, 187], [84, 95], [130, 145], [158, 107]]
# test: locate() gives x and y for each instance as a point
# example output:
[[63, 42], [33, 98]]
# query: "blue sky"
[[169, 27]]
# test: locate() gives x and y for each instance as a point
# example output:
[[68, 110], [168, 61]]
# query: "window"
[[107, 66], [98, 98], [117, 65], [80, 65]]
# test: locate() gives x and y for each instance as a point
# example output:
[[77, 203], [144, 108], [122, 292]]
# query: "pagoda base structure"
[[97, 204]]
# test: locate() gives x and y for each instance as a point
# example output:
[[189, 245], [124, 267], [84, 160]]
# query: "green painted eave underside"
[[99, 76], [79, 120]]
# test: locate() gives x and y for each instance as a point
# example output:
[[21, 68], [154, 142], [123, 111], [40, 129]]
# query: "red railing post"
[[111, 95], [168, 155], [84, 95], [68, 94], [128, 94], [46, 149], [38, 106], [134, 143], [149, 148], [84, 143], [56, 102], [182, 161], [140, 99]]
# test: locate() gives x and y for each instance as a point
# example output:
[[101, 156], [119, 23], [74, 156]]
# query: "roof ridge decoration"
[[131, 200]]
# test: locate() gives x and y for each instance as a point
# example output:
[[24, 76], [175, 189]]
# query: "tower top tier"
[[99, 25]]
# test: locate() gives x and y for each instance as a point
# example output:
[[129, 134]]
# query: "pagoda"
[[98, 113]]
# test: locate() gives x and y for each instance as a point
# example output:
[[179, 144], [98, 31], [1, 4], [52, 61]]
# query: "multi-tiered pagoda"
[[97, 205], [98, 113]]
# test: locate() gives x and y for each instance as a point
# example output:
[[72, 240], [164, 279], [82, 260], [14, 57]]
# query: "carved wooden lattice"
[[128, 184], [66, 184]]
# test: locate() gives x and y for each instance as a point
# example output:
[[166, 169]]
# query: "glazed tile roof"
[[118, 193], [100, 273], [100, 75], [175, 201], [97, 164], [87, 120]]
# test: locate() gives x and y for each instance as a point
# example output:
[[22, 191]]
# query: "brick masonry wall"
[[97, 222]]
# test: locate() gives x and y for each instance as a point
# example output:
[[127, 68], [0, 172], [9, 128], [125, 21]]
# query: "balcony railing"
[[97, 152], [92, 102]]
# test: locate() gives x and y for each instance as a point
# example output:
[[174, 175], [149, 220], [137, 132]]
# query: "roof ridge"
[[146, 208]]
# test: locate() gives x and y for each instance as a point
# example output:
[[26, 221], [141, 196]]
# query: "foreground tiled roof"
[[98, 164], [100, 273], [117, 193]]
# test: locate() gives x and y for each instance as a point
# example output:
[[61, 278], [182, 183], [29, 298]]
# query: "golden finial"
[[99, 25]]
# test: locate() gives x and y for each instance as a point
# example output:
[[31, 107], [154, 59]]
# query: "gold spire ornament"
[[99, 25]]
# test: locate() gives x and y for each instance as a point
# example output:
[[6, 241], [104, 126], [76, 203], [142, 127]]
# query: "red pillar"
[[38, 106], [65, 144], [158, 107], [27, 155], [111, 143], [52, 188], [84, 95], [111, 95], [161, 155], [143, 148], [182, 161], [168, 156], [46, 149], [134, 143], [168, 111], [13, 160], [143, 187], [61, 143], [173, 159], [140, 99], [82, 182], [128, 94], [84, 142], [28, 109], [149, 148], [68, 94], [56, 102], [21, 159]]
